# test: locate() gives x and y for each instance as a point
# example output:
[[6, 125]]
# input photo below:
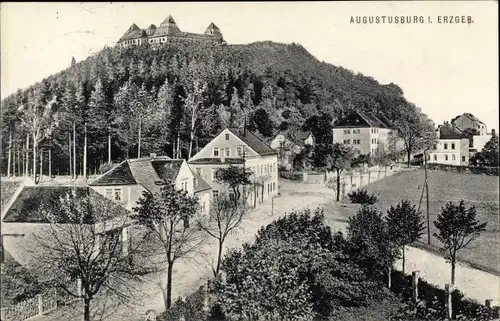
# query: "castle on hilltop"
[[168, 32]]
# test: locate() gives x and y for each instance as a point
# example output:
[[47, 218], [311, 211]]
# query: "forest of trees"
[[171, 100]]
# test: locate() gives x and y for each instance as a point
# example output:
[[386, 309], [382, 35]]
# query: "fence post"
[[448, 289], [415, 278], [40, 304]]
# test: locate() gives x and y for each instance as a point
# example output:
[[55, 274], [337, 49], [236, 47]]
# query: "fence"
[[494, 171], [448, 303], [39, 305]]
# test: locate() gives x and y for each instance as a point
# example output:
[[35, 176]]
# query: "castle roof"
[[213, 30], [167, 27], [134, 32]]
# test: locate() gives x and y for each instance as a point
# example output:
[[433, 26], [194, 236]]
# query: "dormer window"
[[227, 136]]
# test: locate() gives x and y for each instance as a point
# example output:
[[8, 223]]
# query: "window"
[[445, 145], [356, 131], [214, 171], [274, 186], [239, 151], [118, 194], [216, 152], [435, 157], [453, 157], [215, 194], [463, 158], [452, 145], [445, 156], [347, 141], [228, 151], [262, 169], [109, 193], [227, 136], [347, 131]]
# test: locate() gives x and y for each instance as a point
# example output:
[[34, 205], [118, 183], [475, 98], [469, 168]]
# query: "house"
[[467, 120], [286, 149], [478, 141], [451, 147], [239, 147], [366, 132], [24, 218], [168, 31], [125, 183]]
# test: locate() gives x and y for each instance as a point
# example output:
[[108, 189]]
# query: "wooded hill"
[[179, 96]]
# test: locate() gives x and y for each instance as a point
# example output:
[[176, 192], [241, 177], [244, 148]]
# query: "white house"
[[366, 132], [451, 148], [239, 147], [125, 182], [467, 120], [286, 148]]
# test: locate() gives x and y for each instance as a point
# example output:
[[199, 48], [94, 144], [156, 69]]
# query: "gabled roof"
[[201, 185], [134, 32], [448, 132], [303, 135], [147, 172], [360, 119], [254, 142], [213, 30], [470, 116], [27, 207]]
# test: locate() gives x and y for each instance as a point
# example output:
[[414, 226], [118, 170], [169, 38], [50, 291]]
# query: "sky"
[[445, 69]]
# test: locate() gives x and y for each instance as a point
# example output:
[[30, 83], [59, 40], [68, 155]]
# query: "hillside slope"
[[274, 85]]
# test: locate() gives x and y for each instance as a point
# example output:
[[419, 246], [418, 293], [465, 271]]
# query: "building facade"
[[366, 132], [451, 147], [467, 120], [168, 31], [286, 149], [239, 147], [125, 183]]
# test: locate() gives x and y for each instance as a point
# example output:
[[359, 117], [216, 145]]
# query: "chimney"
[[493, 133], [152, 155]]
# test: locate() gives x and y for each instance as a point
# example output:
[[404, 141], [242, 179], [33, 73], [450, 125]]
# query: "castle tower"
[[213, 30], [169, 25], [151, 30]]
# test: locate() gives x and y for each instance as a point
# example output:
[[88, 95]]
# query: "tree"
[[166, 215], [382, 159], [194, 103], [73, 61], [293, 271], [489, 155], [339, 159], [456, 228], [39, 120], [84, 240], [470, 133], [369, 241], [405, 225], [234, 177], [416, 130], [225, 217]]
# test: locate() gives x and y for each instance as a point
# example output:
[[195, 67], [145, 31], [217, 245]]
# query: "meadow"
[[481, 191]]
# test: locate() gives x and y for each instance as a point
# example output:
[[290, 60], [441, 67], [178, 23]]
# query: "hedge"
[[464, 169], [294, 176]]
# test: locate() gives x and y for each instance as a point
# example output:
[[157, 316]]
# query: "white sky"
[[446, 69]]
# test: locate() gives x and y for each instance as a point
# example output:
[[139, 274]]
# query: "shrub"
[[294, 176], [18, 284], [362, 197], [192, 308]]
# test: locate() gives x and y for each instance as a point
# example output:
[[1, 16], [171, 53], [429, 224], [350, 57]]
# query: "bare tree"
[[38, 118], [166, 215], [224, 218], [87, 238]]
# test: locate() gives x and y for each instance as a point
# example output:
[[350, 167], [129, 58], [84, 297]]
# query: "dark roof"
[[213, 30], [303, 135], [201, 185], [254, 142], [27, 206], [210, 161], [121, 174], [146, 171], [385, 120], [134, 32], [447, 132], [167, 27], [360, 119], [471, 116]]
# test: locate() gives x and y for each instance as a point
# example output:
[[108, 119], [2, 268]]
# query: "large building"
[[366, 132], [239, 147], [451, 148], [168, 31], [469, 121], [125, 183]]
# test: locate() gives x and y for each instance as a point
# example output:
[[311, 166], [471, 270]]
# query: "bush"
[[293, 176], [362, 197], [18, 284], [192, 308]]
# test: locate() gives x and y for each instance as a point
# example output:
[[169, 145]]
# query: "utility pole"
[[426, 186]]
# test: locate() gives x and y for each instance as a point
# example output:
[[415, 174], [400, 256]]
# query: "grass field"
[[478, 190]]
